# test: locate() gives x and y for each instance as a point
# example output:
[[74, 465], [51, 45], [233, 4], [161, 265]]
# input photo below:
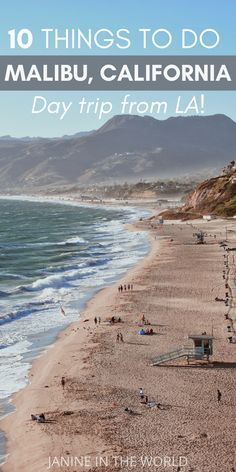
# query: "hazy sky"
[[16, 117]]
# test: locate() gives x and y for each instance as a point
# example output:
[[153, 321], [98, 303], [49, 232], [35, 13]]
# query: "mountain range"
[[125, 148]]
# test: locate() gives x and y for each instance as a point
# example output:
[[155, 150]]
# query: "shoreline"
[[23, 394], [11, 409], [71, 200], [9, 401], [173, 288]]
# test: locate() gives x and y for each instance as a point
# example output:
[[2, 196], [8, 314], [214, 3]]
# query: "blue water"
[[52, 257]]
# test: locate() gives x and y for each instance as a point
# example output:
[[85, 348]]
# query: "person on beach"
[[118, 337], [219, 395], [121, 288], [128, 286], [128, 410], [63, 382], [125, 287], [39, 418], [95, 320], [141, 394], [99, 320], [121, 338]]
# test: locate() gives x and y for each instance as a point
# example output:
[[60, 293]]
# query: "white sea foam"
[[13, 369], [74, 240], [57, 281]]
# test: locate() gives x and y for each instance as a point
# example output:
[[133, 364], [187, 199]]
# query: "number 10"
[[23, 39]]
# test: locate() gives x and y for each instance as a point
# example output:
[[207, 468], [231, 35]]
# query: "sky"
[[16, 116]]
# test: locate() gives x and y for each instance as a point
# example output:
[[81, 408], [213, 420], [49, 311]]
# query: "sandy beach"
[[187, 429]]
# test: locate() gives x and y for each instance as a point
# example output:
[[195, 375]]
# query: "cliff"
[[216, 195]]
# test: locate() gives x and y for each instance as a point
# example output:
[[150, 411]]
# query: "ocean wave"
[[57, 281], [26, 310], [74, 240], [98, 262], [65, 268], [21, 313], [14, 245], [6, 341], [8, 275]]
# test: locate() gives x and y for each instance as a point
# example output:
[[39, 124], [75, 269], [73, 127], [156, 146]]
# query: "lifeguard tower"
[[199, 347], [202, 346]]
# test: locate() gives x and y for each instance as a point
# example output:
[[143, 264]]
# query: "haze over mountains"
[[126, 148]]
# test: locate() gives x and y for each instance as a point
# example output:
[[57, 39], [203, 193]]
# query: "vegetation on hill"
[[216, 195], [158, 189], [213, 196]]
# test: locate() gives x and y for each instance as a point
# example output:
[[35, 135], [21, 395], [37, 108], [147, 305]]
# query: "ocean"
[[53, 258]]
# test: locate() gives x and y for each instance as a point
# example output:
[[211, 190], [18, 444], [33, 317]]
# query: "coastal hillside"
[[126, 148], [216, 195]]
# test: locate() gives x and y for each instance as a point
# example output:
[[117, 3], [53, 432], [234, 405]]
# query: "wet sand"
[[174, 288]]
